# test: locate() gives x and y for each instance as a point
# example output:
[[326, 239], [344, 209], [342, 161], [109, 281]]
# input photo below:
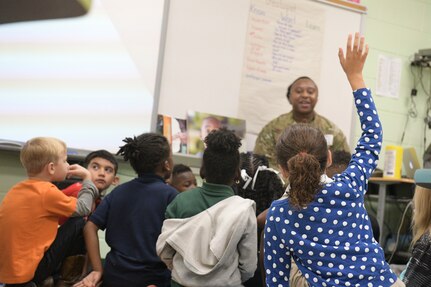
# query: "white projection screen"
[[89, 80]]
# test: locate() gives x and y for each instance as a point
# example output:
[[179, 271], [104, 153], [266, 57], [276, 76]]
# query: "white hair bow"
[[247, 179]]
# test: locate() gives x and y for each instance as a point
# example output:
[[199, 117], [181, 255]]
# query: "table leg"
[[381, 210]]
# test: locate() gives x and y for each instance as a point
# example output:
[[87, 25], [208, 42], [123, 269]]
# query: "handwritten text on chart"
[[284, 40]]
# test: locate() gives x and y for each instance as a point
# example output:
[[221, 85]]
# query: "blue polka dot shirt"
[[331, 239]]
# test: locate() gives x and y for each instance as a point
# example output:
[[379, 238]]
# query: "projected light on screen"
[[87, 80]]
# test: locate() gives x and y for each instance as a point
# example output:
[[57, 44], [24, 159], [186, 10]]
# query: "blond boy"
[[33, 247]]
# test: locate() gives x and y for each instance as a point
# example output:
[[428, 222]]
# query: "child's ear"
[[115, 181], [284, 173], [50, 167], [167, 166]]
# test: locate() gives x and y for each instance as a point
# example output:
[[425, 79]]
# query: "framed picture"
[[175, 130], [199, 125]]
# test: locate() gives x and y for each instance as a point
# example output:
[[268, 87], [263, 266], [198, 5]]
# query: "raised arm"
[[366, 155], [354, 60]]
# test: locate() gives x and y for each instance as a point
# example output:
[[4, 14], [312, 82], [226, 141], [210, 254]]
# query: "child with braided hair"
[[262, 185], [132, 215], [210, 235], [258, 182]]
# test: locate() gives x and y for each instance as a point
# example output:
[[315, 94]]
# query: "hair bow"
[[247, 179]]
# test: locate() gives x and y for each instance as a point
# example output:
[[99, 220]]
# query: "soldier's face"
[[303, 96]]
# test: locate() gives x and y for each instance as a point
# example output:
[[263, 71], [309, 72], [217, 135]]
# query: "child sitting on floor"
[[32, 246]]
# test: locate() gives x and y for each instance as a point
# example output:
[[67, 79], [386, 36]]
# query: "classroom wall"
[[398, 28], [393, 27], [11, 171]]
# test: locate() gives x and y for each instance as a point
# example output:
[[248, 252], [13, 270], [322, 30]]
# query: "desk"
[[383, 184]]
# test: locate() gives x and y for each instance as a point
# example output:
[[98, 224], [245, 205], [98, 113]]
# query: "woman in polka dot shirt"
[[322, 223]]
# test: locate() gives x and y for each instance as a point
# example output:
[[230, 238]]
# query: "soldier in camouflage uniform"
[[302, 95]]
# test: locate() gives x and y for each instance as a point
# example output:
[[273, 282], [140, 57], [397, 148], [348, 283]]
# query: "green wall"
[[399, 28], [11, 171]]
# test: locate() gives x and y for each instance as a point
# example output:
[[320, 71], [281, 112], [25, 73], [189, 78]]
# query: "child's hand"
[[78, 171], [91, 280], [353, 62]]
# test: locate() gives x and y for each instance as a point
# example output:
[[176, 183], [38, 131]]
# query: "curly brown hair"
[[302, 153]]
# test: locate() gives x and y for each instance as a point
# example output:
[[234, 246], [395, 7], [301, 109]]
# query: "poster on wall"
[[284, 41], [199, 125], [388, 76], [175, 130]]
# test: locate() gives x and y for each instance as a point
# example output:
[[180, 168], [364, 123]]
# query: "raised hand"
[[353, 62]]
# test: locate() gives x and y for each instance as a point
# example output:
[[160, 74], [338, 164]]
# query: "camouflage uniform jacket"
[[267, 138]]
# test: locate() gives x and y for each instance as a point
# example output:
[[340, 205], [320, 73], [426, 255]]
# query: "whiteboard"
[[204, 59]]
